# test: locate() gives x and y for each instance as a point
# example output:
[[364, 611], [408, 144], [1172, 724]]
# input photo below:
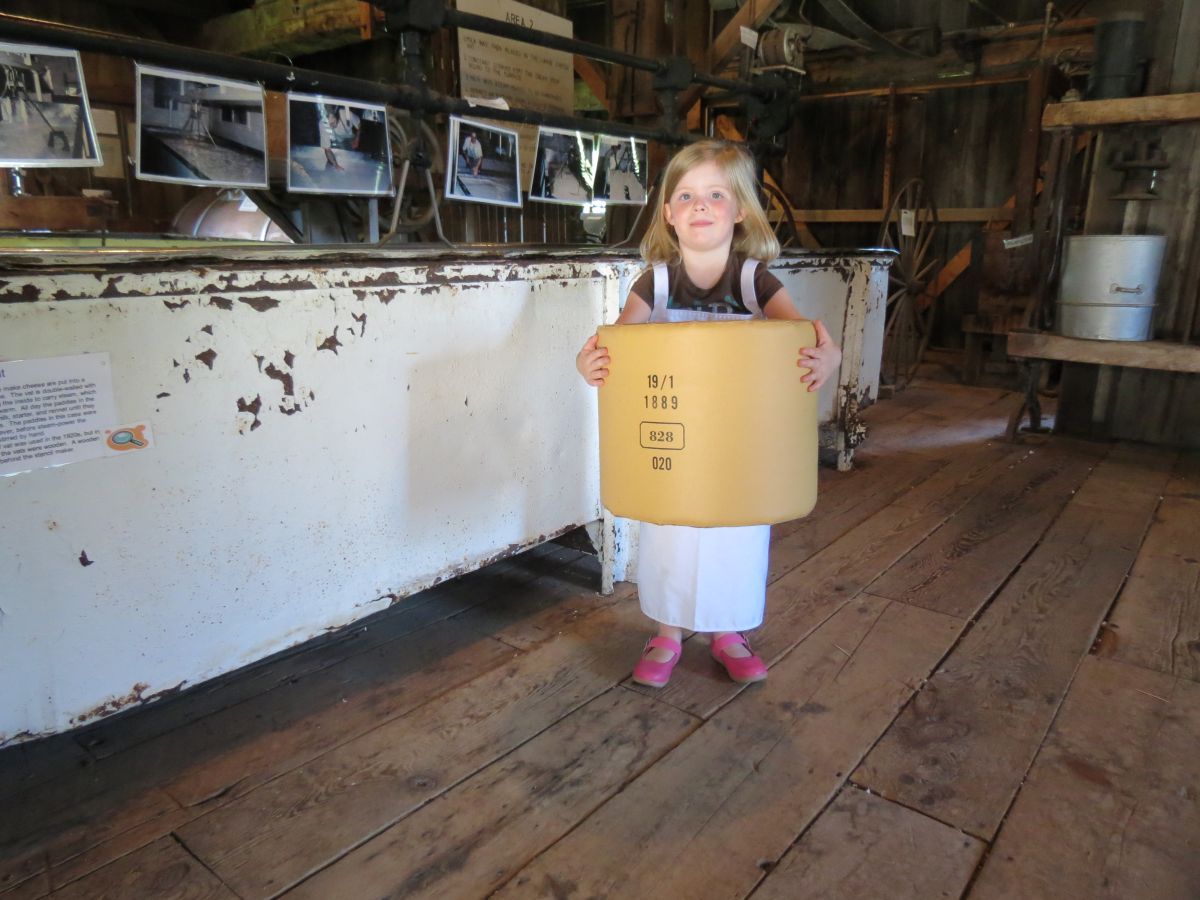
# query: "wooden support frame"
[[1025, 193], [289, 27], [1165, 356], [593, 78], [1123, 111], [947, 214], [889, 150]]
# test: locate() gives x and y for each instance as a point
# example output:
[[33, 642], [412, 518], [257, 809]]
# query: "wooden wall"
[[961, 142], [1141, 404]]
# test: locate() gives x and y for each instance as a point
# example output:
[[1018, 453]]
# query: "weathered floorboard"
[[740, 789], [357, 696], [283, 831], [474, 837], [1156, 623], [864, 846], [31, 841], [958, 752], [533, 616], [497, 583], [1109, 810], [843, 506], [958, 568], [944, 427], [1185, 481], [161, 869], [207, 762]]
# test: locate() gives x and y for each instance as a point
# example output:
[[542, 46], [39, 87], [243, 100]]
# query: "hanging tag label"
[[1019, 241], [908, 222], [749, 37]]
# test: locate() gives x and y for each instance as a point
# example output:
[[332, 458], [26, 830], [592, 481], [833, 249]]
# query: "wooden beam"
[[889, 150], [1013, 53], [1164, 356], [593, 78], [1027, 157], [1122, 111], [946, 276], [918, 88], [947, 214], [751, 15], [28, 213], [293, 27]]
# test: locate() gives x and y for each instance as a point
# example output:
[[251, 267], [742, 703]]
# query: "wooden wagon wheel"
[[908, 227], [781, 215]]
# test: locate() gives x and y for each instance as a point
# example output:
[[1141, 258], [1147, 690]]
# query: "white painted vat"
[[418, 415]]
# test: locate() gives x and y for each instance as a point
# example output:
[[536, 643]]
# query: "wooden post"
[[889, 148], [1027, 159]]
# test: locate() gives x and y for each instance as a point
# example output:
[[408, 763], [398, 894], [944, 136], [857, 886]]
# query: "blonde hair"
[[752, 237]]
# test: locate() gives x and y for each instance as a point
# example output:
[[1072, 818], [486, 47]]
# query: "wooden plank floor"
[[985, 682]]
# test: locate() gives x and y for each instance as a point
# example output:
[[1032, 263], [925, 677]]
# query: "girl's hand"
[[592, 362], [821, 361]]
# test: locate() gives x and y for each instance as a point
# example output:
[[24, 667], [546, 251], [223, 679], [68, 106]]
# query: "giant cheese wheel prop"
[[708, 423]]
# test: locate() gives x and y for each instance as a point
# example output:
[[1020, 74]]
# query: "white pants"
[[703, 579]]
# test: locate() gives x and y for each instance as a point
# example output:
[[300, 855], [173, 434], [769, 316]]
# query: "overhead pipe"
[[278, 77]]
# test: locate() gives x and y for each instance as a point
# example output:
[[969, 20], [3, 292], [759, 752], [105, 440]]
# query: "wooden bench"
[[1165, 356]]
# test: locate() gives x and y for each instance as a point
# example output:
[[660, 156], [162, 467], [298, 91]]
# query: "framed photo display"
[[196, 129], [44, 115], [482, 163], [564, 169], [620, 170], [337, 147]]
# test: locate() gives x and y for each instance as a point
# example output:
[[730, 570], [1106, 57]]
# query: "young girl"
[[708, 246]]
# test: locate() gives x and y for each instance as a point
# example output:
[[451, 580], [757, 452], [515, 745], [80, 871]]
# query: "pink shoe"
[[742, 669], [657, 674]]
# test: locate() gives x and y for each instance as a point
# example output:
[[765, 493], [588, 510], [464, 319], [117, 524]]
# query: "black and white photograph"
[[337, 147], [563, 170], [44, 114], [620, 170], [195, 129], [482, 164]]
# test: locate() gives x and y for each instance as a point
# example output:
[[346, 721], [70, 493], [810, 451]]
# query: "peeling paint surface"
[[293, 490]]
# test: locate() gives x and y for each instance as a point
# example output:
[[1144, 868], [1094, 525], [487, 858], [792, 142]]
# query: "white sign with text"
[[54, 411], [524, 75]]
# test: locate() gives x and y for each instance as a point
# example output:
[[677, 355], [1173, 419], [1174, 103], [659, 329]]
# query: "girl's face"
[[702, 208]]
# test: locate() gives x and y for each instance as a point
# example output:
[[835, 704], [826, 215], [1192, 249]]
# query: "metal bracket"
[[1031, 376]]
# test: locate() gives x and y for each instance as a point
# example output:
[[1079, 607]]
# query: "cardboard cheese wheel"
[[707, 423]]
